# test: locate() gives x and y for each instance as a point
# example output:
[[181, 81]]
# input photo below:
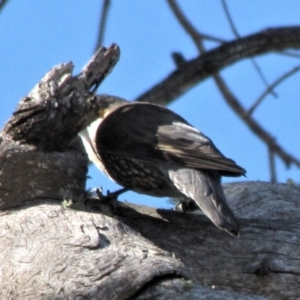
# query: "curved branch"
[[198, 69], [229, 19], [237, 35], [271, 87], [233, 102]]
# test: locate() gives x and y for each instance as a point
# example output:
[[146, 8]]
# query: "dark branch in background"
[[258, 130], [271, 87], [211, 38], [229, 18], [200, 68], [196, 36], [186, 23], [178, 59], [237, 35], [232, 101], [2, 4], [102, 25], [262, 76]]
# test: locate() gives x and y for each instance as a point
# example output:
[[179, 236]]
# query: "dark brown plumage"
[[151, 150]]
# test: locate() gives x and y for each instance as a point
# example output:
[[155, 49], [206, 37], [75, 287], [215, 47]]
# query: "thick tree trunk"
[[57, 252], [56, 244]]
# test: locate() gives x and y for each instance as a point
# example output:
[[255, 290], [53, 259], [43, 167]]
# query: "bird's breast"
[[142, 177]]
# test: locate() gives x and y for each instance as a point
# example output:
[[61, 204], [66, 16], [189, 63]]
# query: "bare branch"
[[237, 35], [178, 59], [258, 130], [2, 4], [103, 22], [262, 76], [271, 87], [212, 38], [187, 25], [229, 18], [200, 68]]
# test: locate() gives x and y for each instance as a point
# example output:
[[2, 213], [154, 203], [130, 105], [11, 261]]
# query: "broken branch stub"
[[39, 157], [59, 106]]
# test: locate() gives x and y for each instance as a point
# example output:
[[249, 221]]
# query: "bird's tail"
[[204, 187]]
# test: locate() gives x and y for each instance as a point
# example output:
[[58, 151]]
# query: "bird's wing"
[[152, 133]]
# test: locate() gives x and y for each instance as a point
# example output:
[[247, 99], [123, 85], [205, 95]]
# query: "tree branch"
[[198, 69], [103, 21], [2, 4], [258, 130], [237, 35], [229, 18], [271, 87]]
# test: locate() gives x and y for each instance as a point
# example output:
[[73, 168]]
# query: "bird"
[[151, 150]]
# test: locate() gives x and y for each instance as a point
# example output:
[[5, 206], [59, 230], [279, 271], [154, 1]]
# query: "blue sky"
[[35, 37]]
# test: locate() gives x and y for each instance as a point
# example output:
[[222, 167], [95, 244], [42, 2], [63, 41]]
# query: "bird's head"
[[105, 104], [98, 107]]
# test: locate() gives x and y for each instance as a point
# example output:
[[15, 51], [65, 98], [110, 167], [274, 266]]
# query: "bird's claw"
[[186, 206], [110, 199], [109, 196]]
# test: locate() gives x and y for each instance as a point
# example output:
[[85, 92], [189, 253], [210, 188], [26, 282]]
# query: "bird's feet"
[[110, 199], [186, 206]]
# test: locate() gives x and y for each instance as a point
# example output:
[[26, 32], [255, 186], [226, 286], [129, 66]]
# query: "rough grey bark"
[[60, 105], [264, 260], [55, 244], [179, 290], [263, 200], [28, 175], [54, 252]]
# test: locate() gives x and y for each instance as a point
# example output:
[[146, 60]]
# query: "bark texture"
[[264, 260], [55, 252], [51, 252], [28, 175]]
